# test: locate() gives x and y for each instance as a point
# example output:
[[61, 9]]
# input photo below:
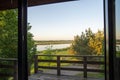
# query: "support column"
[[22, 40]]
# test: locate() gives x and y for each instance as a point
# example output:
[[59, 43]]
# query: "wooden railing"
[[8, 64], [85, 62]]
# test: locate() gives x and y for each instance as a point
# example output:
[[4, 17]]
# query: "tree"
[[8, 33], [96, 43], [88, 43], [80, 43], [9, 36]]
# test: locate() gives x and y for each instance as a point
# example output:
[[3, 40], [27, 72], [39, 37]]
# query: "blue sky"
[[118, 19], [62, 21]]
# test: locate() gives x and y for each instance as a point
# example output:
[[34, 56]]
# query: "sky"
[[63, 21], [117, 19]]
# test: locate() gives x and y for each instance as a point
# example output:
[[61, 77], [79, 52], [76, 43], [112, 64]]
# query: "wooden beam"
[[11, 4]]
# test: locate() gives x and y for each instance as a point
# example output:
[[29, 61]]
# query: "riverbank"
[[52, 47]]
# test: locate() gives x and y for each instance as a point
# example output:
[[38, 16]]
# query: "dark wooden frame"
[[22, 40], [109, 33], [109, 43]]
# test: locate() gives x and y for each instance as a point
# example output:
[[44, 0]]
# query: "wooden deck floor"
[[46, 76]]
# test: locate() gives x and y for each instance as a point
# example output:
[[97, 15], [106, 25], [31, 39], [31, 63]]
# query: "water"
[[117, 47], [54, 46]]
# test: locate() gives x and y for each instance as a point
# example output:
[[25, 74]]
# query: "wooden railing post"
[[58, 66], [15, 70], [85, 66], [36, 64]]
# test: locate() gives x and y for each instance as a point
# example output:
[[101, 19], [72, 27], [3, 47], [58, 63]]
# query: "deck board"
[[46, 76]]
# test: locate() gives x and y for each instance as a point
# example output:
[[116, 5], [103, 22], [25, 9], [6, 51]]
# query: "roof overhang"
[[12, 4]]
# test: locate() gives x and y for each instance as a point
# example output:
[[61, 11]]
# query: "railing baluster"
[[85, 66], [36, 64], [58, 66], [16, 70]]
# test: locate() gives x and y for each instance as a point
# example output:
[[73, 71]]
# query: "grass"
[[93, 75], [32, 69], [117, 53]]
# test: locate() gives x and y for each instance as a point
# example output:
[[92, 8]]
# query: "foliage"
[[88, 43], [8, 33], [9, 36], [48, 51], [80, 43], [118, 53], [96, 43]]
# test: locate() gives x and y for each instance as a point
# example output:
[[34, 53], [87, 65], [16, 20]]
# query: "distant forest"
[[48, 42]]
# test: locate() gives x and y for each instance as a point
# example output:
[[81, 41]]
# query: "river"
[[54, 46]]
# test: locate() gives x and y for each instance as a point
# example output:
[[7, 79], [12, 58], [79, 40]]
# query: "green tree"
[[8, 33], [9, 36], [31, 47], [80, 44], [88, 43]]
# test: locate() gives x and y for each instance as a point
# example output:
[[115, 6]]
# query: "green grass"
[[93, 75], [118, 53], [32, 69]]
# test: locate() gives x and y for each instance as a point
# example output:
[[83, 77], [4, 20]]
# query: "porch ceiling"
[[11, 4]]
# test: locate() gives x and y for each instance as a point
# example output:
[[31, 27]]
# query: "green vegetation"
[[49, 51], [88, 43], [9, 38], [63, 51], [117, 53], [93, 75], [49, 42]]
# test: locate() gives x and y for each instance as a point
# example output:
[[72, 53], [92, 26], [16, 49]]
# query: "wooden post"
[[15, 70], [22, 40], [85, 66], [58, 66], [36, 64]]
